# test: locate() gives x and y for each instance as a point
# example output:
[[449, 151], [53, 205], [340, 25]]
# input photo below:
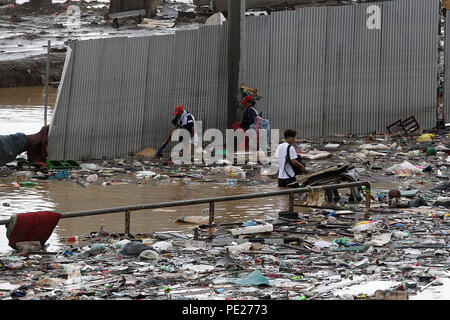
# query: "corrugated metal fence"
[[446, 102], [320, 70]]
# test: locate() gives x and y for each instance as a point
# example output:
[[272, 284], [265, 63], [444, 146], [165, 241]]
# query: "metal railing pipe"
[[211, 201]]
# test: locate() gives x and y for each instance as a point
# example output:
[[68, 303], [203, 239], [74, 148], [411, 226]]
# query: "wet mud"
[[31, 71], [25, 30]]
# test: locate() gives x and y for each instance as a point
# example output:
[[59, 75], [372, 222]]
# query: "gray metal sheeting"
[[321, 71], [446, 101]]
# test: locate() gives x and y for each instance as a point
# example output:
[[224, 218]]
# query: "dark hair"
[[290, 133]]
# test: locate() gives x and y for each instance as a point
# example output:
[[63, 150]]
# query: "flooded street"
[[22, 110], [370, 221]]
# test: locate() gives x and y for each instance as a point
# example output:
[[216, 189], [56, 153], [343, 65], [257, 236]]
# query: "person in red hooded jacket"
[[183, 119], [250, 113]]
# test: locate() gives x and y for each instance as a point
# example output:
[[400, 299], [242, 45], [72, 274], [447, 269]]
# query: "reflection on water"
[[150, 220], [68, 196], [22, 110]]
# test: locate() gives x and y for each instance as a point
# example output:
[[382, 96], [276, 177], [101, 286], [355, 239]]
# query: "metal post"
[[195, 233], [367, 193], [211, 217], [47, 75], [211, 212], [127, 221], [236, 56], [291, 202]]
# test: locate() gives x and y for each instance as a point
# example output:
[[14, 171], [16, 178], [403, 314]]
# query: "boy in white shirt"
[[286, 171]]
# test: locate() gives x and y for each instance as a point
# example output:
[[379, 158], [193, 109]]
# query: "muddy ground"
[[30, 71], [25, 30], [26, 27]]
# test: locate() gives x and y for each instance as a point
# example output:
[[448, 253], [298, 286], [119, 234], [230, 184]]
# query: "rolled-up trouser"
[[285, 182]]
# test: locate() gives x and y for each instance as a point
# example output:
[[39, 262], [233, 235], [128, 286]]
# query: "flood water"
[[22, 110]]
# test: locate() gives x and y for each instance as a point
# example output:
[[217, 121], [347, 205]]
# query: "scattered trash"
[[333, 248], [154, 24], [27, 184], [89, 166], [92, 178], [426, 138], [380, 240], [145, 174], [134, 248], [162, 246], [391, 295], [366, 226], [216, 19], [61, 175], [149, 255], [252, 229], [404, 169], [194, 219]]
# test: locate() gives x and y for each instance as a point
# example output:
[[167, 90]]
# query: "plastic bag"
[[365, 226], [134, 248], [145, 174], [426, 137], [404, 169], [256, 278], [378, 146]]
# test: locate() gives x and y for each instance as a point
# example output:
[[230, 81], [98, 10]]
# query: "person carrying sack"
[[289, 165], [251, 119]]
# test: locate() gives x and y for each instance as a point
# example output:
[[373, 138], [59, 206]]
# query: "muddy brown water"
[[22, 110]]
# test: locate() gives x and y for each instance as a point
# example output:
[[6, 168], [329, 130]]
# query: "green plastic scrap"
[[256, 278], [341, 241]]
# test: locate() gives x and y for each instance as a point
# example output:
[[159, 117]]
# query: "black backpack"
[[297, 170]]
